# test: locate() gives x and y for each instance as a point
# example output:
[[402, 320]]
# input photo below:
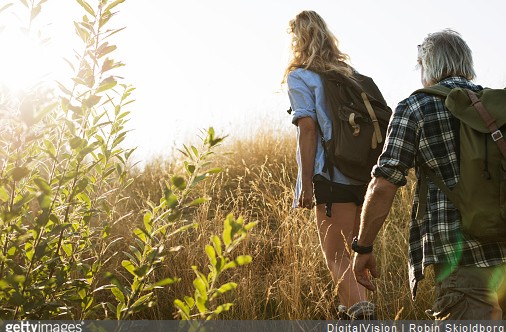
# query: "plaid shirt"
[[422, 132]]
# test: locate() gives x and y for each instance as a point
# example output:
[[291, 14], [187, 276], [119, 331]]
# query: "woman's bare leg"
[[336, 234]]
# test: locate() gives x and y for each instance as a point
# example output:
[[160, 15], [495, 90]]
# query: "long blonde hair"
[[315, 47]]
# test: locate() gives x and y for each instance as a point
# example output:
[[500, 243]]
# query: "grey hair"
[[444, 54]]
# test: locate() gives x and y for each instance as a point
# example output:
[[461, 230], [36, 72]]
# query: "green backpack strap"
[[437, 90]]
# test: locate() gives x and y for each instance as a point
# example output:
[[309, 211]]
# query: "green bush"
[[64, 180]]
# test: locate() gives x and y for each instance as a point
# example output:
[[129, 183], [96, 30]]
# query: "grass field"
[[287, 278]]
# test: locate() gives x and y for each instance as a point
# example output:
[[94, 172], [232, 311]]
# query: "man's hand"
[[362, 265]]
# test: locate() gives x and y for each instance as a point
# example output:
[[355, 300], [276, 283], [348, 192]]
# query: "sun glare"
[[24, 61]]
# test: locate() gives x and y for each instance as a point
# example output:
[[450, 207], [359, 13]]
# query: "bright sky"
[[219, 63]]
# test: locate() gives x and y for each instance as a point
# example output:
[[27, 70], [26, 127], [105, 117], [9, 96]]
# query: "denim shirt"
[[307, 99]]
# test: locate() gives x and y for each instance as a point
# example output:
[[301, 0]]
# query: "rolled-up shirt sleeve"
[[400, 147], [301, 98]]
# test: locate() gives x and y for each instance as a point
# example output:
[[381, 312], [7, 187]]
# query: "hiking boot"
[[363, 310], [342, 313]]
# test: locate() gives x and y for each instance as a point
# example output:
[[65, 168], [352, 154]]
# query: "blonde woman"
[[339, 199]]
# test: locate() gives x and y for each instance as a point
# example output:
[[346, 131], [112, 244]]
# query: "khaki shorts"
[[469, 293]]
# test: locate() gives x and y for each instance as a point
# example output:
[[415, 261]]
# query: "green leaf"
[[50, 148], [75, 142], [179, 182], [107, 65], [35, 12], [190, 168], [141, 234], [29, 251], [119, 310], [104, 18], [200, 287], [119, 139], [83, 197], [137, 257], [108, 83], [43, 185], [227, 230], [105, 49], [80, 186], [4, 196], [148, 221], [199, 178], [185, 153], [172, 201], [67, 247], [217, 244], [227, 287], [21, 200], [189, 301], [141, 271], [222, 308], [44, 202], [4, 284], [183, 309], [129, 267], [82, 33], [195, 151], [113, 4], [61, 86], [141, 300], [5, 7], [165, 282], [87, 7], [214, 170], [241, 260], [92, 101], [201, 305], [211, 253], [19, 172], [250, 225], [118, 294], [198, 201]]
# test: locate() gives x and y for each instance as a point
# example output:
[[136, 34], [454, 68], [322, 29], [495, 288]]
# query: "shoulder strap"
[[489, 121], [437, 90], [424, 187]]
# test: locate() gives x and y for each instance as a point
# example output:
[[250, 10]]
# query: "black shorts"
[[329, 192]]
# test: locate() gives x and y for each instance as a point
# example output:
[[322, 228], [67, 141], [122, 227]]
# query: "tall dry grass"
[[288, 278]]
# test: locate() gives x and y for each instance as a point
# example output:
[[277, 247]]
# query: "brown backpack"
[[360, 117]]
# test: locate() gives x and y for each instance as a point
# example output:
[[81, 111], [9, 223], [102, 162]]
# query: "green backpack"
[[480, 194]]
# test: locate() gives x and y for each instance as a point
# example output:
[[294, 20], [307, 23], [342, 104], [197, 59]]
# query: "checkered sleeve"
[[400, 146]]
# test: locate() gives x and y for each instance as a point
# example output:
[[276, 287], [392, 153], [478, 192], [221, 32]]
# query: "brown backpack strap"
[[425, 174], [376, 137], [423, 192], [489, 121]]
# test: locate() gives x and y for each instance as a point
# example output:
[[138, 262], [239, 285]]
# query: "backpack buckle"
[[496, 135]]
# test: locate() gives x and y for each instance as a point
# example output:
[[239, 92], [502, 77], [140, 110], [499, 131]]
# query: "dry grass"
[[287, 278]]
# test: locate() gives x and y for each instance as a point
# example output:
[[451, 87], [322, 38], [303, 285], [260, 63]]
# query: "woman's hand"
[[306, 196]]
